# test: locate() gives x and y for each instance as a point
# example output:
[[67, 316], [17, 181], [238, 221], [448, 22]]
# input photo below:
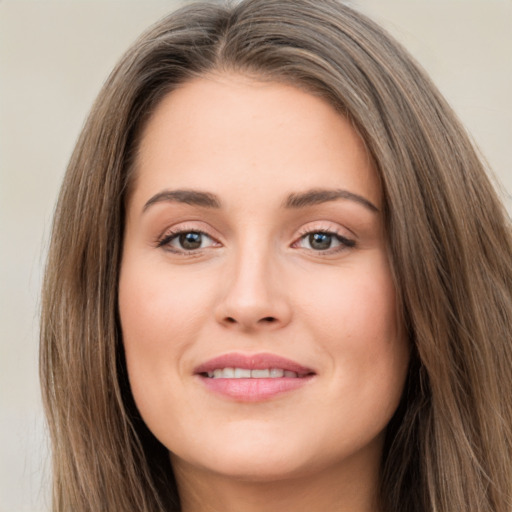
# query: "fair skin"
[[260, 267]]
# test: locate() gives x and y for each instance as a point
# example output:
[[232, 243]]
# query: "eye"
[[186, 241], [324, 241]]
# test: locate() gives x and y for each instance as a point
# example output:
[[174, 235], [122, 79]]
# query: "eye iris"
[[191, 240], [320, 241]]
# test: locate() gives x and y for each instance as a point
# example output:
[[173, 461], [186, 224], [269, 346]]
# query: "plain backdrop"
[[54, 56]]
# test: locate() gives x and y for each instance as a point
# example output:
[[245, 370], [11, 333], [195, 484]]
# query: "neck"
[[342, 490]]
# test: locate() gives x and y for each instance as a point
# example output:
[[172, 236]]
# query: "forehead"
[[232, 132]]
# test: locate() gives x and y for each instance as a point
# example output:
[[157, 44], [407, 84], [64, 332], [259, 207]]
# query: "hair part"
[[449, 445]]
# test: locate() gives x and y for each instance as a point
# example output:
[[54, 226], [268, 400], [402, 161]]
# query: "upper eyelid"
[[170, 234], [188, 226], [310, 227], [327, 227]]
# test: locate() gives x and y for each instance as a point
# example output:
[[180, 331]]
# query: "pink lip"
[[252, 362], [253, 390]]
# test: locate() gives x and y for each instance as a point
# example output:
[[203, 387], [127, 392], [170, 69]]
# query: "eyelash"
[[345, 243], [169, 236]]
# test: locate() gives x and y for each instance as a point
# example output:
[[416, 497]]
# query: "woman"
[[276, 188]]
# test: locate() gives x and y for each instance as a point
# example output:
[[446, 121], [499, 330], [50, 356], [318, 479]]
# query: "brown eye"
[[191, 240], [324, 241], [186, 241], [320, 241]]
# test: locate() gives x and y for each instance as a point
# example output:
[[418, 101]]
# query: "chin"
[[268, 468], [250, 457]]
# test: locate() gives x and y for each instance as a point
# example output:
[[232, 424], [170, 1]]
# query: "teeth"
[[245, 373], [260, 374], [242, 373]]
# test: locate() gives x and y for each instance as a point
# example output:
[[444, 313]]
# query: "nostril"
[[267, 320]]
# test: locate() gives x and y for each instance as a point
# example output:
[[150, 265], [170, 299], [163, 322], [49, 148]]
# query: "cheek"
[[161, 316], [354, 318], [354, 303], [157, 308]]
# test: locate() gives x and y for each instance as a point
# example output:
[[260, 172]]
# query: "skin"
[[258, 284]]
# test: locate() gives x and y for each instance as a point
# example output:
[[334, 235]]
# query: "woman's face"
[[257, 305]]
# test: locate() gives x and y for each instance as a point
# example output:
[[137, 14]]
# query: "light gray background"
[[54, 56]]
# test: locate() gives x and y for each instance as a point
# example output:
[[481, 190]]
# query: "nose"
[[254, 295]]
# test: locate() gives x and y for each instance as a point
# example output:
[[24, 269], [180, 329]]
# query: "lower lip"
[[254, 390]]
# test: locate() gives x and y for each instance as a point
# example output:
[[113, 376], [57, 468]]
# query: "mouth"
[[252, 378], [247, 373]]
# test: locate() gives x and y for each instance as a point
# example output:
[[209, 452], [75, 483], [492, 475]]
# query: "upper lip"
[[260, 361]]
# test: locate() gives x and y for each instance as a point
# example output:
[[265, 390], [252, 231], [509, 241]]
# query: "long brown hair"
[[449, 445]]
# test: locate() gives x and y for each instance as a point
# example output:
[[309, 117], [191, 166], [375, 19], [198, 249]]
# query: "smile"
[[246, 373], [253, 377]]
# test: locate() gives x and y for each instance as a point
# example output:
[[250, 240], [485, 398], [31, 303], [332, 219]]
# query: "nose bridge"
[[253, 296], [252, 279]]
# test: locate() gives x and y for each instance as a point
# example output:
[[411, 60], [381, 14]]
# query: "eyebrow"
[[319, 196], [191, 197], [293, 201]]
